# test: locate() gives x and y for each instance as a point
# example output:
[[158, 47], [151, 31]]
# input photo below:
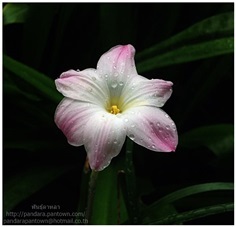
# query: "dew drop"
[[173, 126], [121, 83], [114, 67], [132, 88], [126, 120], [166, 115], [158, 124], [115, 141], [153, 147], [132, 126], [114, 83], [168, 127], [131, 136], [89, 89], [77, 70]]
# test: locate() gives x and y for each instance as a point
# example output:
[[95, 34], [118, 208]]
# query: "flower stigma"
[[114, 110]]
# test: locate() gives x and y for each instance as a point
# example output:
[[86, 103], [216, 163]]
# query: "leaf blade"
[[189, 53], [42, 83]]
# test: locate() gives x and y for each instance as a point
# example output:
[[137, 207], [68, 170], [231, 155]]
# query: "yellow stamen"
[[115, 110]]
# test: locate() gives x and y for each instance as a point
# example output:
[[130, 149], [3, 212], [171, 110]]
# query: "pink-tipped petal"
[[71, 117], [104, 136], [141, 91], [118, 62], [84, 86], [152, 128]]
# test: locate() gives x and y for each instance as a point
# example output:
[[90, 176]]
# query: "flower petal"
[[104, 136], [84, 86], [118, 62], [71, 117], [152, 128], [141, 91]]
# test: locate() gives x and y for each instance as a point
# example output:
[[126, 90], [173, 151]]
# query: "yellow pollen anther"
[[115, 110]]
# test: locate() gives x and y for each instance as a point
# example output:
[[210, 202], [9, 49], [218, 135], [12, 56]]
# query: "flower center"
[[114, 110]]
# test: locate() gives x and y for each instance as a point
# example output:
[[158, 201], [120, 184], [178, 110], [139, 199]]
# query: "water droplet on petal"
[[131, 136], [121, 83], [115, 141], [173, 126], [166, 115], [114, 83], [132, 126], [153, 147], [77, 70], [158, 124], [126, 120], [168, 127]]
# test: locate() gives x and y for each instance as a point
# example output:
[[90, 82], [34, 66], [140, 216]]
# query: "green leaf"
[[39, 81], [112, 24], [218, 138], [13, 90], [180, 194], [15, 13], [189, 53], [107, 208], [65, 12], [221, 25], [24, 184], [194, 214], [36, 34], [199, 87], [30, 144]]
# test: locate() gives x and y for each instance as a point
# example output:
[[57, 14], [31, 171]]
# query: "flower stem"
[[91, 193], [132, 207]]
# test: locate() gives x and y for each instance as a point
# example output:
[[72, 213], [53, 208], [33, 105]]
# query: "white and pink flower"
[[102, 106]]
